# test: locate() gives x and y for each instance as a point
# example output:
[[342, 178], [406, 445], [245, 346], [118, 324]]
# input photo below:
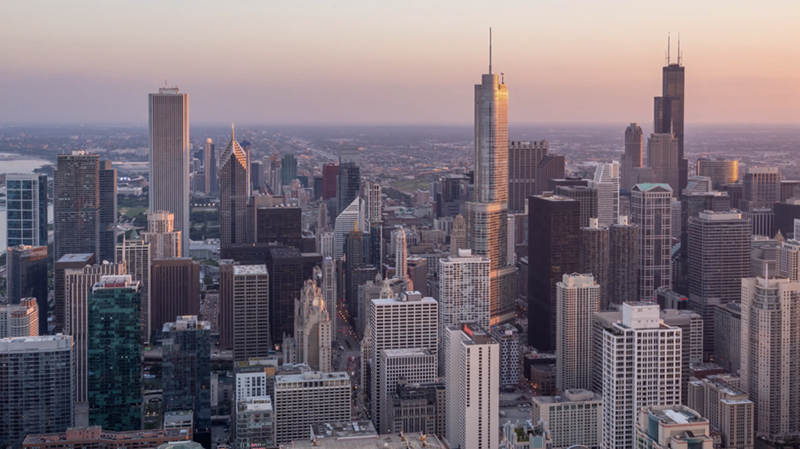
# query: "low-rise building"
[[576, 417], [95, 437], [254, 424], [673, 427]]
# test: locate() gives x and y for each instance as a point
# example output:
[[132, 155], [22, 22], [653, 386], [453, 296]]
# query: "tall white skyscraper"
[[769, 362], [329, 289], [169, 156], [351, 215], [374, 207], [400, 254], [641, 367], [463, 290], [606, 181], [651, 210], [472, 380], [165, 241], [578, 297]]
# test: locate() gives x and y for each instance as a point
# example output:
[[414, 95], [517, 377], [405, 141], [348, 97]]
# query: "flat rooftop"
[[97, 433], [249, 269], [312, 375], [80, 257], [410, 440]]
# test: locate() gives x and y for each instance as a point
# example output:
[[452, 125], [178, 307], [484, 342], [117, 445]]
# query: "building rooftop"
[[249, 269], [81, 257], [574, 395], [406, 352], [311, 375], [187, 322], [677, 414], [390, 441], [259, 404], [477, 335], [40, 343], [325, 432], [97, 433], [405, 299]]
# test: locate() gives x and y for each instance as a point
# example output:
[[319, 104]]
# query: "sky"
[[395, 61]]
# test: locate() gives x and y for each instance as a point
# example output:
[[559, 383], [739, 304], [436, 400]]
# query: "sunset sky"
[[395, 62]]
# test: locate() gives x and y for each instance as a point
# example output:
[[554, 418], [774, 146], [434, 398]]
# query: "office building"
[[285, 282], [663, 157], [623, 256], [586, 196], [108, 211], [407, 322], [573, 418], [186, 377], [40, 403], [721, 171], [651, 211], [307, 398], [329, 174], [234, 191], [671, 426], [20, 320], [637, 375], [66, 262], [552, 166], [458, 235], [417, 366], [668, 117], [507, 337], [691, 326], [114, 371], [472, 382], [727, 336], [165, 241], [169, 157], [762, 189], [769, 314], [417, 408], [417, 272], [631, 157], [256, 174], [400, 254], [373, 201], [329, 291], [312, 341], [136, 256], [606, 183], [254, 423], [719, 257], [578, 299], [594, 257], [788, 260], [278, 224], [288, 170], [26, 209], [344, 223], [348, 184], [553, 251], [244, 306], [786, 213], [727, 408], [210, 168], [523, 158], [76, 204], [175, 290], [96, 437], [463, 290], [26, 277]]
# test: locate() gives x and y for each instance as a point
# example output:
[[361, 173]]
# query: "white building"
[[326, 241], [472, 379], [312, 397], [575, 417], [254, 423], [351, 215], [20, 320], [407, 322], [400, 254], [769, 361], [165, 241], [412, 365], [137, 257], [606, 181], [789, 259], [672, 426], [464, 290], [651, 210], [312, 330], [641, 367], [578, 299], [374, 203], [251, 377]]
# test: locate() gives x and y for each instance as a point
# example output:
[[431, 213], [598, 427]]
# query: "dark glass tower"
[[288, 169], [174, 290], [279, 224], [234, 185], [553, 250], [354, 258], [349, 180], [668, 113], [27, 278], [108, 212], [77, 205], [114, 355], [285, 282]]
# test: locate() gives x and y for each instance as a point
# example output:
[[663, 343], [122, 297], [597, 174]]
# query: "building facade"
[[234, 191], [651, 210], [175, 290], [575, 417], [523, 158], [26, 277], [76, 205], [26, 209], [311, 397]]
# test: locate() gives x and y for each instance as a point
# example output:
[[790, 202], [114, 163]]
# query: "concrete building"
[[691, 326], [417, 408], [26, 209], [631, 157], [762, 189], [727, 336], [671, 426], [255, 424], [472, 381], [400, 254], [507, 337], [76, 204], [19, 320], [374, 201], [26, 277], [312, 338], [135, 254], [417, 271], [578, 299], [311, 397], [96, 437], [526, 435], [464, 290], [575, 417], [769, 314], [42, 403], [721, 171], [410, 365], [595, 258], [788, 260], [169, 156], [523, 158], [663, 157], [623, 273], [727, 408], [244, 310], [458, 235], [175, 290], [651, 211], [606, 183], [165, 241], [637, 374]]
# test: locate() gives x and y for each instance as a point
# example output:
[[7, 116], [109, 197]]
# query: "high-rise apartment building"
[[311, 343], [594, 257], [169, 157], [553, 251], [762, 188], [727, 408], [165, 241], [663, 157], [651, 210], [623, 256], [788, 260], [186, 378], [472, 380], [66, 262], [727, 336], [136, 256], [769, 317], [308, 398], [26, 209], [574, 418], [721, 171], [668, 117], [20, 320], [348, 184], [285, 282], [408, 322], [37, 392], [632, 156], [719, 257], [114, 354], [234, 191], [523, 158], [417, 366], [578, 299], [606, 183], [76, 204], [175, 290], [507, 336], [244, 306], [108, 211], [641, 366], [463, 290], [26, 277]]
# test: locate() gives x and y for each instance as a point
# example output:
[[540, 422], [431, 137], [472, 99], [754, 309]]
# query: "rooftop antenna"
[[490, 50], [679, 49], [231, 131], [668, 52]]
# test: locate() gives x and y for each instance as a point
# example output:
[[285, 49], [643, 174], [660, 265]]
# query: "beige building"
[[311, 343], [671, 427], [165, 241], [575, 417], [727, 408], [578, 299], [20, 320]]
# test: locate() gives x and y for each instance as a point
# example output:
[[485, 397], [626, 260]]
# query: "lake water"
[[12, 163]]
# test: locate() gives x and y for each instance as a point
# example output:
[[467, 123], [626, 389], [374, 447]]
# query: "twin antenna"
[[680, 55]]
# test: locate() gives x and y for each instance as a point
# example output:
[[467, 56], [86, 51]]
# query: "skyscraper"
[[20, 320], [668, 112], [721, 171], [347, 218], [407, 365], [623, 256], [663, 152], [210, 167], [463, 290], [553, 251], [234, 191], [115, 368], [108, 211], [175, 290], [285, 282], [169, 157], [418, 274], [651, 210], [165, 241], [632, 157], [400, 254], [136, 256], [27, 278], [606, 182], [288, 169], [762, 189], [329, 290], [578, 298], [523, 158], [26, 209], [76, 205], [329, 174], [458, 235], [586, 196], [312, 329], [719, 257], [66, 262], [36, 387], [244, 318], [186, 347], [594, 258], [348, 184], [374, 202], [309, 398], [277, 224]]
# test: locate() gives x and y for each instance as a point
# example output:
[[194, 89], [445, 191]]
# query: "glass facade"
[[26, 203]]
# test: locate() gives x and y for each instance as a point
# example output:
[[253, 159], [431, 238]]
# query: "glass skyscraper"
[[26, 203]]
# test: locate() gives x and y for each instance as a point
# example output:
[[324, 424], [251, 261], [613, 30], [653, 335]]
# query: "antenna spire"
[[668, 50], [231, 132], [490, 50], [679, 49]]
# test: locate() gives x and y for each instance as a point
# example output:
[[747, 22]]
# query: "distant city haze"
[[395, 62]]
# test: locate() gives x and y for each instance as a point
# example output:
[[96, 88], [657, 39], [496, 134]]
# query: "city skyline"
[[569, 61]]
